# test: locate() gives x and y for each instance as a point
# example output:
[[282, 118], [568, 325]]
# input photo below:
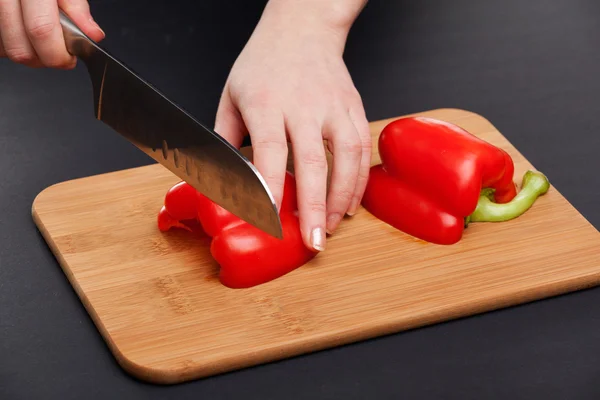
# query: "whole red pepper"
[[246, 255], [434, 175]]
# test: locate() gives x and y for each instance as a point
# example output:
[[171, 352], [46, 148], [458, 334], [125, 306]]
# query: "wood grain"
[[157, 301]]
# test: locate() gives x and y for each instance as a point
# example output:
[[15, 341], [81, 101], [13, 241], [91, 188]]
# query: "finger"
[[45, 33], [15, 43], [310, 166], [228, 122], [347, 151], [79, 12], [269, 146], [359, 119], [2, 53]]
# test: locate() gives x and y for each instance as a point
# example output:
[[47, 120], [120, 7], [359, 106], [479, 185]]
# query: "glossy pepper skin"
[[431, 179], [247, 256]]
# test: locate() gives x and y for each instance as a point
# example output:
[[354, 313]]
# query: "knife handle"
[[78, 44]]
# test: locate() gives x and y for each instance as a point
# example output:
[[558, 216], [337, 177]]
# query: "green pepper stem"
[[534, 184]]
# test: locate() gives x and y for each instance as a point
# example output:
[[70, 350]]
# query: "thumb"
[[79, 12]]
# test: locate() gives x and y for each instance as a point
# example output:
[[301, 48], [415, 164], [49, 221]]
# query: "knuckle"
[[352, 92], [352, 146], [366, 139], [20, 55], [316, 206], [275, 180], [344, 195], [366, 144], [270, 141], [314, 159], [260, 98], [41, 27]]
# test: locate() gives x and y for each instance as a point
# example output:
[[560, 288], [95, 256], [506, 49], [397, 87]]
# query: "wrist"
[[330, 18]]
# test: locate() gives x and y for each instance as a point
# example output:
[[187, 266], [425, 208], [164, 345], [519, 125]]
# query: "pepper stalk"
[[534, 184]]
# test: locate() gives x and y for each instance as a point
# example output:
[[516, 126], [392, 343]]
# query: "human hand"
[[290, 83], [31, 34]]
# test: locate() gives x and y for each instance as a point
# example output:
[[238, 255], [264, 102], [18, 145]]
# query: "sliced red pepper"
[[434, 175], [246, 255]]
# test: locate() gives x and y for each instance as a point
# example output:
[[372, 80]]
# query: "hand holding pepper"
[[290, 83]]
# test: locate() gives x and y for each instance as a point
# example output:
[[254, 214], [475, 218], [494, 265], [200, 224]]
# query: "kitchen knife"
[[171, 136]]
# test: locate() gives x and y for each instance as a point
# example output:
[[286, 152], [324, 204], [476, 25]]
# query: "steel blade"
[[173, 137]]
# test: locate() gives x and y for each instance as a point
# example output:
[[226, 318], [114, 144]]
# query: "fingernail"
[[353, 207], [317, 239], [333, 220]]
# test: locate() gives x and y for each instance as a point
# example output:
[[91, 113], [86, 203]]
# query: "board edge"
[[179, 375]]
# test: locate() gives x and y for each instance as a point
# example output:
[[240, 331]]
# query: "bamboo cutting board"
[[157, 301]]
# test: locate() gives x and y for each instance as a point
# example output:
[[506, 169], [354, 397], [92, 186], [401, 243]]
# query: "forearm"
[[333, 18]]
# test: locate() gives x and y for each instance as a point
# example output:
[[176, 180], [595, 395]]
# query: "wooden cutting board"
[[158, 303]]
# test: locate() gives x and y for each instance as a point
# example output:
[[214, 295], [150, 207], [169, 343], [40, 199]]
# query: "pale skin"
[[289, 85]]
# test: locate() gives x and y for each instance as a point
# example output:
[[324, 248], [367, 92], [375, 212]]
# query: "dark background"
[[530, 67]]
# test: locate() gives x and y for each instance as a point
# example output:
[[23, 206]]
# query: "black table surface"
[[530, 67]]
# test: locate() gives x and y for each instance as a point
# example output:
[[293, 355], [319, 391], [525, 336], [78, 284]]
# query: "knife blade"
[[172, 136]]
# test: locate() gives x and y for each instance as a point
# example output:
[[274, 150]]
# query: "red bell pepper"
[[435, 178], [246, 255]]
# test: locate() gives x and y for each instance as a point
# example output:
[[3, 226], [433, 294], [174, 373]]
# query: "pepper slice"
[[247, 256], [434, 175]]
